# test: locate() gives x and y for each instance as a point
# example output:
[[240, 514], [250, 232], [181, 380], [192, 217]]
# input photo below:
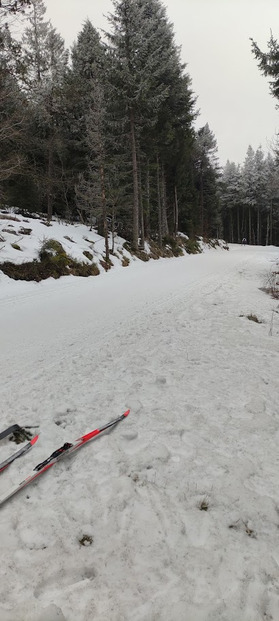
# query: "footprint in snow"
[[52, 613]]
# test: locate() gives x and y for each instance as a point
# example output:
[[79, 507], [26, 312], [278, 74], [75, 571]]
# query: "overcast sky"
[[233, 97]]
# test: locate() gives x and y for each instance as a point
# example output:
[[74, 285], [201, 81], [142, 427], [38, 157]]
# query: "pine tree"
[[272, 217], [13, 111], [231, 199], [261, 192], [88, 78], [173, 136], [207, 175], [249, 196], [268, 63], [144, 56], [45, 60]]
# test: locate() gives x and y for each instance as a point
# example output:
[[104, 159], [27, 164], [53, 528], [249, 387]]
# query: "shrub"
[[170, 241], [84, 269], [8, 217], [272, 283], [54, 258], [24, 231], [88, 255], [51, 249], [174, 245], [10, 230], [127, 246], [31, 270], [37, 271], [192, 246], [125, 262], [106, 264], [53, 263], [253, 318], [142, 255]]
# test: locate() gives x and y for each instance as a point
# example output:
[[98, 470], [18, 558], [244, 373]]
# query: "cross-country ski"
[[24, 449], [63, 451]]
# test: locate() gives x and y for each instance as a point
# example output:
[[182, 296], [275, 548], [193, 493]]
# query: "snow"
[[179, 502], [75, 239]]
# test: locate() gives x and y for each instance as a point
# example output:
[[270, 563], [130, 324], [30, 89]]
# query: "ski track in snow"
[[170, 340]]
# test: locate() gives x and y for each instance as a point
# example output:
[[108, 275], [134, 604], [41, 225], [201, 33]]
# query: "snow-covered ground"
[[21, 239], [181, 499]]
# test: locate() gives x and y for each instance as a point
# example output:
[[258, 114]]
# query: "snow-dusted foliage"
[[250, 199]]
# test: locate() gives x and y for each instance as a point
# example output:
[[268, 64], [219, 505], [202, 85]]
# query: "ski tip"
[[34, 440], [126, 413]]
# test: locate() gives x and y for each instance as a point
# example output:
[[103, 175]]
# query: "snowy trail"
[[53, 307], [181, 501]]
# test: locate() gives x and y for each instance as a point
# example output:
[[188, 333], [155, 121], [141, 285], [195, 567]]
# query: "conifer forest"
[[106, 132]]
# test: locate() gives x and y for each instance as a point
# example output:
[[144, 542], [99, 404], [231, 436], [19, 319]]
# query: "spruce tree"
[[88, 78], [232, 203], [207, 176], [272, 216], [268, 63], [13, 112], [261, 179], [144, 57], [45, 60], [249, 195]]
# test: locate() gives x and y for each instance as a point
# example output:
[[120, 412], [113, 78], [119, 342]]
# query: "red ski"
[[64, 450]]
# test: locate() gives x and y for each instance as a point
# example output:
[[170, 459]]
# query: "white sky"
[[233, 97]]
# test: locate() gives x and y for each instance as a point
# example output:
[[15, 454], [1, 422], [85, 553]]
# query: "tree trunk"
[[267, 229], [250, 226], [238, 226], [104, 212], [135, 240], [175, 212], [141, 215], [112, 228], [231, 227], [159, 205], [201, 202], [258, 227], [243, 227], [147, 214], [50, 182], [165, 228], [271, 222]]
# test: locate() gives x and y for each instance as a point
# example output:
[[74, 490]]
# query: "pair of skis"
[[64, 450]]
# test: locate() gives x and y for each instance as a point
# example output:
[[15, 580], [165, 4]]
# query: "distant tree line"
[[250, 193], [250, 199], [105, 134]]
